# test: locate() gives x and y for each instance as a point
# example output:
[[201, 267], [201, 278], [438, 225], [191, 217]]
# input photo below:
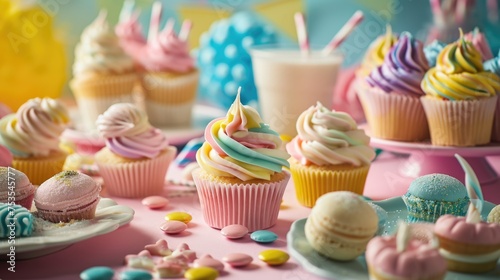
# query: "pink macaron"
[[67, 196], [16, 187]]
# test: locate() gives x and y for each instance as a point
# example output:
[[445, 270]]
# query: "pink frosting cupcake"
[[16, 187], [67, 196], [241, 178], [402, 257], [129, 32], [137, 155]]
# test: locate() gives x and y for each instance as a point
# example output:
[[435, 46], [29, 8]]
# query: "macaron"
[[16, 187], [431, 196], [340, 225], [68, 195]]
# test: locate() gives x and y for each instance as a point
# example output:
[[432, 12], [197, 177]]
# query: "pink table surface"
[[383, 182]]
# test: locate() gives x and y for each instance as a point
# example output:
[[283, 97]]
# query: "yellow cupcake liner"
[[39, 169], [460, 123], [393, 116], [311, 182]]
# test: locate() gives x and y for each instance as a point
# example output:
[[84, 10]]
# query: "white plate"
[[48, 237], [299, 248]]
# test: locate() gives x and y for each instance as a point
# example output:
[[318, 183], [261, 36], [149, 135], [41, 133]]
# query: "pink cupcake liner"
[[255, 206], [136, 179]]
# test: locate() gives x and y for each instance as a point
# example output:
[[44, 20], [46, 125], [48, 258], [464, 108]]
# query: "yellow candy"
[[274, 257], [179, 216], [201, 273]]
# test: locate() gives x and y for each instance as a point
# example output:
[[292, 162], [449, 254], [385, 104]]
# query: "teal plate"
[[303, 253]]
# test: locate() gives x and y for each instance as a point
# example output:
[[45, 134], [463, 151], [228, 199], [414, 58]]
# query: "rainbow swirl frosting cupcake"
[[376, 53], [460, 97], [241, 179], [330, 153], [32, 136], [391, 94], [137, 155]]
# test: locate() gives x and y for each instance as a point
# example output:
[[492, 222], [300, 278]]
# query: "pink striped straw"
[[154, 25], [185, 30], [460, 11], [437, 11], [348, 27], [492, 10], [300, 26]]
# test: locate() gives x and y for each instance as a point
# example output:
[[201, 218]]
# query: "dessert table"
[[384, 181]]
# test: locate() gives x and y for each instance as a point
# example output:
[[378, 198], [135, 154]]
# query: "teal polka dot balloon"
[[224, 59]]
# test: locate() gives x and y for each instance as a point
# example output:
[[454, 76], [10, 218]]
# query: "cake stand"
[[425, 158]]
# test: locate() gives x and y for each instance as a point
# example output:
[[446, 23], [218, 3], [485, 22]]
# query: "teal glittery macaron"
[[434, 195]]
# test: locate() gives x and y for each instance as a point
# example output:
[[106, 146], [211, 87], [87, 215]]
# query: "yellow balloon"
[[32, 61]]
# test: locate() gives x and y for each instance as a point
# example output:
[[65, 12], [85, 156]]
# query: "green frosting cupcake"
[[434, 195]]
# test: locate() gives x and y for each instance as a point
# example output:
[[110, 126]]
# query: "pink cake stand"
[[427, 159]]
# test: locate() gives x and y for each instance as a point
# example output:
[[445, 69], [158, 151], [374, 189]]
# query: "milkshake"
[[288, 82]]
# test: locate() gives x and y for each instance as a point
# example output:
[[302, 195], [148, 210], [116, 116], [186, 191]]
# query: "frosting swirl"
[[493, 65], [329, 138], [480, 42], [459, 74], [20, 216], [242, 146], [403, 68], [35, 129], [130, 35], [432, 51], [99, 50], [128, 132], [377, 51], [168, 54]]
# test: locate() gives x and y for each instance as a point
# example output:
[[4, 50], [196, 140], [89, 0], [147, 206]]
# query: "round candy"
[[234, 231], [136, 275], [155, 202], [208, 261], [274, 257], [263, 236], [179, 216], [97, 273], [201, 273], [238, 259], [173, 227]]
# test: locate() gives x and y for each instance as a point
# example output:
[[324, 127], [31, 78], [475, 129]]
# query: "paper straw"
[[339, 38], [492, 6], [185, 30], [154, 25], [300, 26], [437, 11], [460, 11], [127, 10]]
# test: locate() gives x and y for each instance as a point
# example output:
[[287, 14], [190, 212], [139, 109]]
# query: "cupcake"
[[493, 65], [103, 73], [329, 153], [401, 257], [431, 196], [32, 136], [15, 187], [5, 156], [67, 196], [376, 53], [340, 225], [18, 216], [129, 32], [170, 81], [241, 178], [137, 155], [460, 97], [390, 96]]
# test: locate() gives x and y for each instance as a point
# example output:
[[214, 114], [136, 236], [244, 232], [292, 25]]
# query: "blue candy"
[[136, 275], [97, 273], [263, 236]]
